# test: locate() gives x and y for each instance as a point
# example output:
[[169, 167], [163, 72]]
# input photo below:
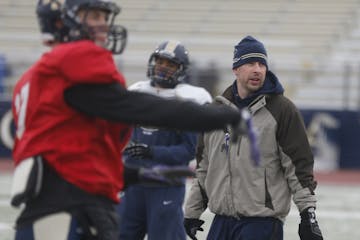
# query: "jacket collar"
[[228, 100]]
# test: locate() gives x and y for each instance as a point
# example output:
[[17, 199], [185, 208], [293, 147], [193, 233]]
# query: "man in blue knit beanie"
[[251, 198]]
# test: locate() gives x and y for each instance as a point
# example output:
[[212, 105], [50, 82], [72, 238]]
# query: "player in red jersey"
[[73, 118]]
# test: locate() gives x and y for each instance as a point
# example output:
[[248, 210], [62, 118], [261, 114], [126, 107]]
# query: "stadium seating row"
[[299, 35]]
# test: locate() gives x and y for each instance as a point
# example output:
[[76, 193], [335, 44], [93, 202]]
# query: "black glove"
[[192, 225], [139, 150], [308, 227]]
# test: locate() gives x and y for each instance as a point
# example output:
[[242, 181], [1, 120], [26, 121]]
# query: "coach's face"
[[250, 77]]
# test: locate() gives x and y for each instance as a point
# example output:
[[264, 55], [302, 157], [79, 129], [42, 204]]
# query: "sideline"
[[328, 214], [5, 226]]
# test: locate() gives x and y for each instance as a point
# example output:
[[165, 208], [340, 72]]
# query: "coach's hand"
[[192, 225], [308, 227], [139, 150]]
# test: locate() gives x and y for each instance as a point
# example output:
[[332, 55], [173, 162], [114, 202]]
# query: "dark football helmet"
[[117, 35], [49, 18], [175, 52]]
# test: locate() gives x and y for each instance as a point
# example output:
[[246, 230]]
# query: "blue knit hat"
[[249, 50]]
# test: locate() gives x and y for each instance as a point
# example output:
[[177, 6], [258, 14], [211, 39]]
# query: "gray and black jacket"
[[227, 176]]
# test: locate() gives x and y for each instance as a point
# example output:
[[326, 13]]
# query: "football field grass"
[[338, 212]]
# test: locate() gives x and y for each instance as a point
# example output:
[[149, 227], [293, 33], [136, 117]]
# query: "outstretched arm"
[[113, 102]]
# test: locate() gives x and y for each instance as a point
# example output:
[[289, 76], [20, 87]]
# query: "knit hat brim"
[[248, 58]]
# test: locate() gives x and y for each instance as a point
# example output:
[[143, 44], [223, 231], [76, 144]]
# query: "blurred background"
[[313, 47]]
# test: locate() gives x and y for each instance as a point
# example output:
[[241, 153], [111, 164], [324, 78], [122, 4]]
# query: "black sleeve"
[[131, 176], [113, 102]]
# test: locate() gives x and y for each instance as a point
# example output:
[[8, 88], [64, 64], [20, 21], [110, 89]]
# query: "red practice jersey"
[[84, 150]]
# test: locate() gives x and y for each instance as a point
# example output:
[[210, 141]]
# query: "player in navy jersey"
[[156, 209]]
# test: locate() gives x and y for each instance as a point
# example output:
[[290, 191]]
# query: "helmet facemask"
[[168, 77], [116, 39], [165, 77]]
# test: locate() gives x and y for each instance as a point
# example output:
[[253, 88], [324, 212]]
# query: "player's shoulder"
[[24, 79], [281, 101], [193, 93], [78, 49], [141, 86]]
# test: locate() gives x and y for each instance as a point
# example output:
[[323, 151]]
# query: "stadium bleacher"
[[309, 42]]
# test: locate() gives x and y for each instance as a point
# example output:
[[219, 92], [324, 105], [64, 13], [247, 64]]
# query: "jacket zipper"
[[230, 180]]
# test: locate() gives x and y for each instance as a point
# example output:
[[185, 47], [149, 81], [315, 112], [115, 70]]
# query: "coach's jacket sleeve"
[[296, 157]]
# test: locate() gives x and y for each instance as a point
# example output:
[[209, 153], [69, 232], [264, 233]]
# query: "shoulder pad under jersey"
[[145, 86], [192, 93], [140, 86]]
